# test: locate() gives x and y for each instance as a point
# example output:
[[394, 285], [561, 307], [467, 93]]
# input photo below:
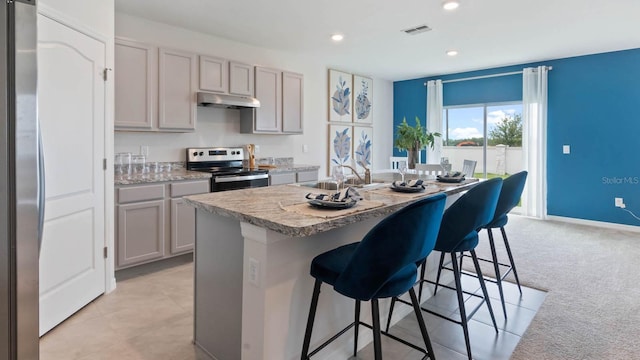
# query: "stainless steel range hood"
[[227, 101]]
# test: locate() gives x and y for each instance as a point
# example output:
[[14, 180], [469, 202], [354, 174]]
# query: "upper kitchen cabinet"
[[281, 103], [292, 102], [241, 79], [177, 87], [136, 83], [154, 88], [214, 76]]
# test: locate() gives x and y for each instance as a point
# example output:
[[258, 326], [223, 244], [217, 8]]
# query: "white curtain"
[[534, 140], [434, 119]]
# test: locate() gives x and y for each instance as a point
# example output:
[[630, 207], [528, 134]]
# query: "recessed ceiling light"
[[452, 52], [450, 5], [337, 37]]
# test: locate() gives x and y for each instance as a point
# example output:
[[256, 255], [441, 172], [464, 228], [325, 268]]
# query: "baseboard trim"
[[600, 224]]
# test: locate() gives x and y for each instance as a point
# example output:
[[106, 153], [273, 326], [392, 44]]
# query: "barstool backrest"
[[392, 248], [469, 213], [510, 194]]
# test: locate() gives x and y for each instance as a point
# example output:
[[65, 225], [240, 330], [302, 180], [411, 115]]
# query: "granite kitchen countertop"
[[174, 175], [293, 168], [265, 206]]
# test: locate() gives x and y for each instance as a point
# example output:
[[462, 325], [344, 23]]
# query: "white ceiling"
[[487, 33]]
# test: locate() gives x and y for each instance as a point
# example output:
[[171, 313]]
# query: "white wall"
[[221, 127]]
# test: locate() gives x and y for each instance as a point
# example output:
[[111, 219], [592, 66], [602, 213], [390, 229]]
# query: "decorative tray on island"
[[327, 204], [407, 189]]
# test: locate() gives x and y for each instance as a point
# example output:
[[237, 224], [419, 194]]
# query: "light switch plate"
[[566, 149]]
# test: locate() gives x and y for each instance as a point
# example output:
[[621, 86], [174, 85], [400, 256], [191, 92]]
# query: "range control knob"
[[201, 153], [233, 153], [195, 153]]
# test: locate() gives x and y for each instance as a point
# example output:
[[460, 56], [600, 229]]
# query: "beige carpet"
[[592, 275]]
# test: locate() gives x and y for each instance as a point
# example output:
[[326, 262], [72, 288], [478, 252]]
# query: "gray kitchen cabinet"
[[281, 103], [177, 87], [140, 232], [241, 78], [154, 88], [136, 83], [153, 222], [282, 178], [306, 176], [292, 102], [214, 74]]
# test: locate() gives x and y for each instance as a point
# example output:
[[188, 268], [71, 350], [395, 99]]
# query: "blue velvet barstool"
[[510, 194], [382, 265], [459, 233]]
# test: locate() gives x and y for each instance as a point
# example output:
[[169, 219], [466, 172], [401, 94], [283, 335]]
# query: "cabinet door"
[[240, 78], [135, 85], [213, 74], [183, 226], [268, 117], [292, 102], [280, 179], [140, 232], [177, 90]]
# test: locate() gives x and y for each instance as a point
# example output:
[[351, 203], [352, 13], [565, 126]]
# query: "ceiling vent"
[[417, 30]]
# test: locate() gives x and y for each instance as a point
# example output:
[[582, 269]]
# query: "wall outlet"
[[256, 149], [619, 202], [305, 148], [566, 149], [254, 271], [144, 150]]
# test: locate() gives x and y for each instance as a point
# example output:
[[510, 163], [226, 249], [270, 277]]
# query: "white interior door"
[[71, 106]]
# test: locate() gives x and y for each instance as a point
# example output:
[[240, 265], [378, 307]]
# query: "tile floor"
[[149, 316]]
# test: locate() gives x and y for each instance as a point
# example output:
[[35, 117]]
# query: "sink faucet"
[[367, 174]]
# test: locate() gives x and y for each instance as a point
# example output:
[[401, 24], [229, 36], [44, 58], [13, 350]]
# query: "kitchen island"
[[252, 283]]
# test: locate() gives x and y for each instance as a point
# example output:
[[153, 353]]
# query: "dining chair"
[[382, 265], [459, 233], [430, 169], [394, 162], [469, 168]]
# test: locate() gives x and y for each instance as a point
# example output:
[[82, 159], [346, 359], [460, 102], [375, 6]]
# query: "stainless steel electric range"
[[225, 165]]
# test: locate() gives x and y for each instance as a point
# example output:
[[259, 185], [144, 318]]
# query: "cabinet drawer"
[[189, 188], [305, 176], [140, 193], [279, 179]]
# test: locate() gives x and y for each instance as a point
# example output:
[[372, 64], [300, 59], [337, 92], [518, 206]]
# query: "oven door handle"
[[234, 178]]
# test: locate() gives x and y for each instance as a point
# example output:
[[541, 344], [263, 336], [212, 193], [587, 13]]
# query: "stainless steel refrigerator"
[[21, 190]]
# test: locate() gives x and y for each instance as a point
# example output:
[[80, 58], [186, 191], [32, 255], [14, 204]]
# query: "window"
[[490, 134]]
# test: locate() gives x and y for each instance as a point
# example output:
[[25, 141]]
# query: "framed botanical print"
[[340, 96], [362, 147], [362, 101], [339, 145]]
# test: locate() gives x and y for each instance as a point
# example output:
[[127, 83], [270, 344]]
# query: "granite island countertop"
[[265, 206]]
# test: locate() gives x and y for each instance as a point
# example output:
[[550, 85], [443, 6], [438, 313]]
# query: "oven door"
[[233, 182]]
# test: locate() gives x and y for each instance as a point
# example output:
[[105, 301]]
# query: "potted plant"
[[413, 139]]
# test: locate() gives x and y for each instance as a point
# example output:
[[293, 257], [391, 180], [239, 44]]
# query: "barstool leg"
[[496, 268], [513, 265], [463, 312], [423, 268], [312, 315], [357, 326], [393, 304], [439, 271], [377, 342], [423, 327], [484, 288]]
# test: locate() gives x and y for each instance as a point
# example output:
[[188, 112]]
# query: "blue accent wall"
[[594, 106]]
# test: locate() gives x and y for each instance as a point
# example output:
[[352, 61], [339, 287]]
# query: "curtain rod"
[[486, 76]]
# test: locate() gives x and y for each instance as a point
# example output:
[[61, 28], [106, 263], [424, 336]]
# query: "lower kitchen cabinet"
[[153, 222]]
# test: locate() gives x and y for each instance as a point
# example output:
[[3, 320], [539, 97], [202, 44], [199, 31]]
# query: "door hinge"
[[106, 251], [104, 73], [104, 164]]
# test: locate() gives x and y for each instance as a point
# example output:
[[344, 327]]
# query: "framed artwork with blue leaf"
[[340, 96], [362, 99], [339, 145], [362, 148]]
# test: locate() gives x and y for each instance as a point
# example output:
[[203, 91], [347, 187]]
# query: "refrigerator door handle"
[[41, 189]]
